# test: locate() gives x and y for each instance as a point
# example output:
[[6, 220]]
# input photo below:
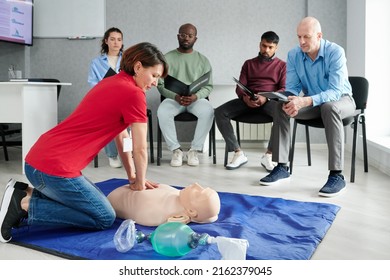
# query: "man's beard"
[[265, 57], [186, 47]]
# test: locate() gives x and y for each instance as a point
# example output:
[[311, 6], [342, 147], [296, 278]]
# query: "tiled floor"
[[361, 230]]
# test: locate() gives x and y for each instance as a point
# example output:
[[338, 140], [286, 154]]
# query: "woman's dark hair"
[[104, 48], [147, 54]]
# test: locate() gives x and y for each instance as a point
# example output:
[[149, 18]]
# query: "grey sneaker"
[[177, 158], [278, 174], [239, 158], [334, 186], [192, 158]]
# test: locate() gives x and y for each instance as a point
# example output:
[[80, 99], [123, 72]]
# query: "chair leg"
[[159, 145], [210, 140], [226, 156], [292, 148], [150, 122], [238, 133], [212, 149], [213, 142], [5, 148], [308, 145], [353, 157], [96, 161], [365, 154]]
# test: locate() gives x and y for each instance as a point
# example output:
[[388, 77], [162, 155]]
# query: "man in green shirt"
[[186, 65]]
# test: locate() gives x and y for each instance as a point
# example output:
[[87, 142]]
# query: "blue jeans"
[[60, 201], [111, 150]]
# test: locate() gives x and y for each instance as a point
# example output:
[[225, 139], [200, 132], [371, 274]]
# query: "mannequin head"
[[201, 204]]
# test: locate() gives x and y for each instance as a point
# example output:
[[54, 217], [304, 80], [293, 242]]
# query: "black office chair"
[[150, 127], [251, 118], [360, 87], [7, 129], [186, 117]]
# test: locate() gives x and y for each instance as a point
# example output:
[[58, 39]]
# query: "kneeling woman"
[[62, 196]]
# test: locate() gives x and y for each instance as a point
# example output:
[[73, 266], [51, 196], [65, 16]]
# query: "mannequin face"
[[202, 204]]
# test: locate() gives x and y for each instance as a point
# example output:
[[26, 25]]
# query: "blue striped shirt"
[[324, 79], [99, 67]]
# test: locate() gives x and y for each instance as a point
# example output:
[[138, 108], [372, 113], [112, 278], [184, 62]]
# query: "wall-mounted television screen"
[[16, 21]]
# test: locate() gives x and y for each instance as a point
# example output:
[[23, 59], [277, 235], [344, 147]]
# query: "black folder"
[[278, 96], [183, 89], [247, 91], [110, 72]]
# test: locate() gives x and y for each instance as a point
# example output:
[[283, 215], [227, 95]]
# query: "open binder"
[[183, 89], [279, 96], [247, 91]]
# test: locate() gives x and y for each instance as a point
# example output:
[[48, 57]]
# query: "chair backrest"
[[359, 91]]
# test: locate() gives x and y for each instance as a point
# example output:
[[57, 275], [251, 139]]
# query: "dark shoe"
[[334, 186], [20, 185], [11, 213], [278, 174]]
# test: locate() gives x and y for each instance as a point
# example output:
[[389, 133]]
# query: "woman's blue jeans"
[[60, 201]]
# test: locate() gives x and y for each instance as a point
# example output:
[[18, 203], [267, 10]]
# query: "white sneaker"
[[115, 162], [267, 163], [239, 159], [177, 158], [192, 158]]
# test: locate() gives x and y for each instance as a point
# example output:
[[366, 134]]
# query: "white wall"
[[377, 66], [367, 53], [378, 73]]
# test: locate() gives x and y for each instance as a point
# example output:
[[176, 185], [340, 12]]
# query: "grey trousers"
[[332, 114]]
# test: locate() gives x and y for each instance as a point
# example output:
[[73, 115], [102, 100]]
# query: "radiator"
[[251, 132]]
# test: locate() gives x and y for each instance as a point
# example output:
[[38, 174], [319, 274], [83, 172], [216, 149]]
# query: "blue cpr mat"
[[277, 229]]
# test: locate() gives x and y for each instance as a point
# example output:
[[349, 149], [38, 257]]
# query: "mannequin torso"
[[152, 207]]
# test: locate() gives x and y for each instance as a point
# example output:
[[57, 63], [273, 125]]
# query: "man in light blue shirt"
[[317, 76]]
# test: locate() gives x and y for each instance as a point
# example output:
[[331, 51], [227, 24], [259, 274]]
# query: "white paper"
[[231, 248], [127, 144]]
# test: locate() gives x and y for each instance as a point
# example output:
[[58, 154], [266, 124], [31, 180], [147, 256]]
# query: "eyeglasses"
[[184, 36]]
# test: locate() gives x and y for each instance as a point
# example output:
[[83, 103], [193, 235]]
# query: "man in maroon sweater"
[[264, 72]]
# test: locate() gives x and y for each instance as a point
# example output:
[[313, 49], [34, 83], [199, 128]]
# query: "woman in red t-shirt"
[[61, 194]]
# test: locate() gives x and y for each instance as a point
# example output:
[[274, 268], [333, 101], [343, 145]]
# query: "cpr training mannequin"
[[152, 207]]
